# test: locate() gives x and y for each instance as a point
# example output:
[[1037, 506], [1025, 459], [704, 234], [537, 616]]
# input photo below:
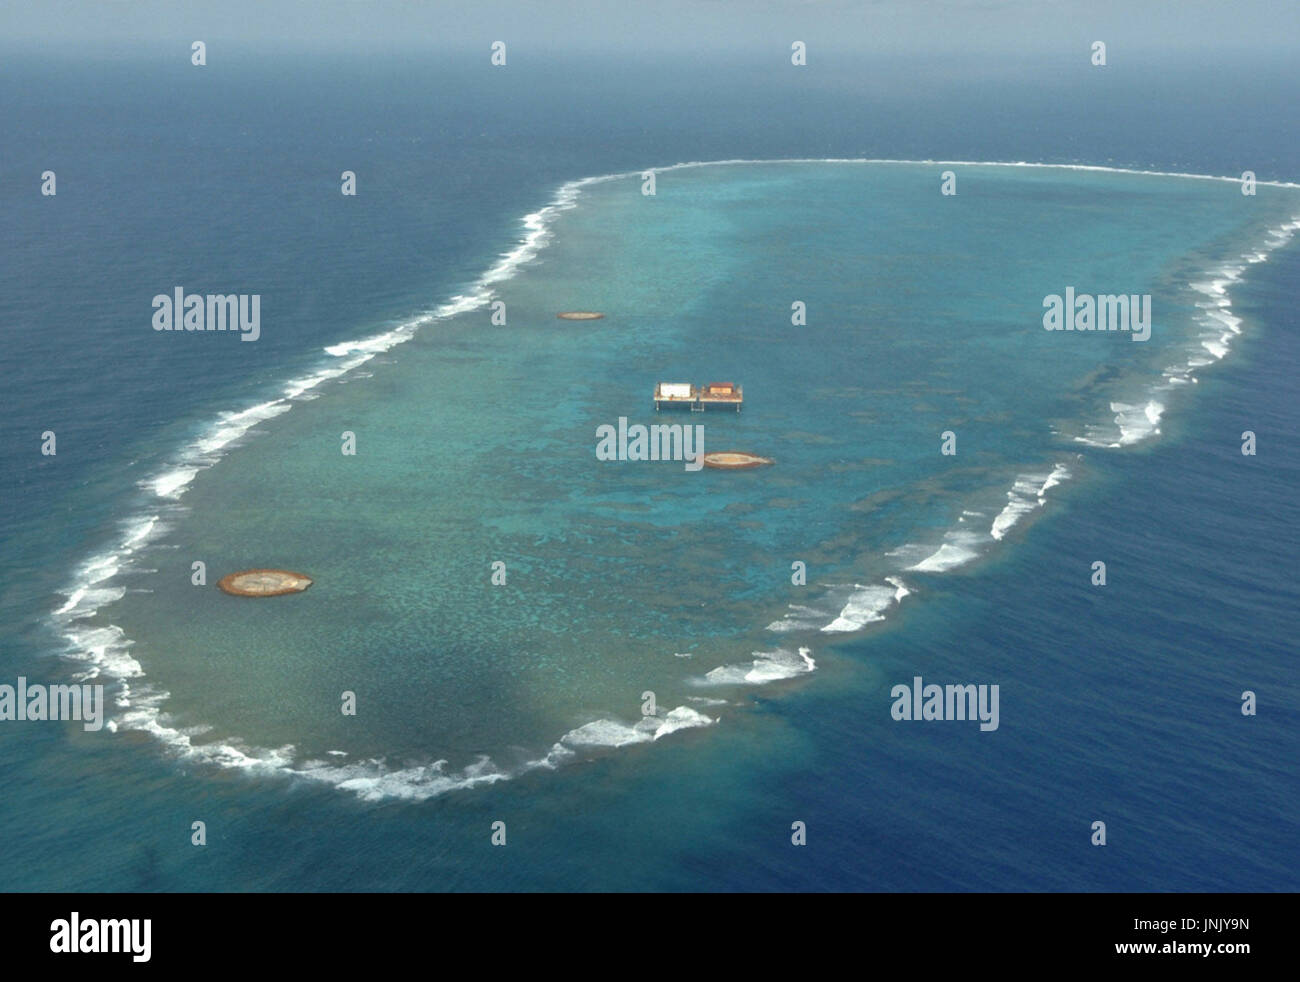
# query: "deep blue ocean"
[[1119, 704]]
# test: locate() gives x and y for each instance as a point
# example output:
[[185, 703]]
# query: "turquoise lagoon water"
[[476, 445]]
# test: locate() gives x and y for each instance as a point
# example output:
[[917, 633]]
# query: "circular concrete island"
[[580, 315], [733, 460], [264, 583]]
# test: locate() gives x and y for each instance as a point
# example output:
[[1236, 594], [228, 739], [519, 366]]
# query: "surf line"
[[1093, 168]]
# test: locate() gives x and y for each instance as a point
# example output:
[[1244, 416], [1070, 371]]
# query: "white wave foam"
[[139, 532], [1028, 492], [172, 483], [799, 617], [1134, 422], [207, 449], [373, 780], [1217, 348], [105, 652], [1137, 422], [867, 605], [1231, 322], [612, 733], [1020, 501], [767, 666], [957, 550], [1059, 473]]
